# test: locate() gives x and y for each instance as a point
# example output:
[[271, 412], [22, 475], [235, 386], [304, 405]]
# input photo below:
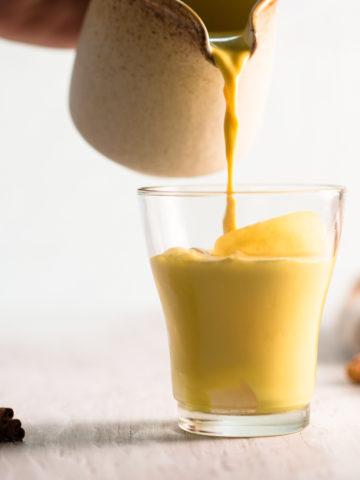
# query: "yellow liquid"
[[226, 21], [223, 15], [231, 54], [242, 332]]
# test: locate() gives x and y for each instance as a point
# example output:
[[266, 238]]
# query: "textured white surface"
[[97, 405]]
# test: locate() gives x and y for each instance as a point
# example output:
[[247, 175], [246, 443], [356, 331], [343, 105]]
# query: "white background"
[[72, 252]]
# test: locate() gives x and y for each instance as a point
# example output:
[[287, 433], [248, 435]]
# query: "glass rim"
[[239, 189]]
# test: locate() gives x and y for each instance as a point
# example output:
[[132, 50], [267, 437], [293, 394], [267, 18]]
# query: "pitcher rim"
[[258, 7]]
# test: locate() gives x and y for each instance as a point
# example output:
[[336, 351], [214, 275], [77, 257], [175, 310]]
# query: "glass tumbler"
[[243, 310]]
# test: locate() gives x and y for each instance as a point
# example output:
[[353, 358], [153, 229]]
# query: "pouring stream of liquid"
[[226, 22], [231, 52]]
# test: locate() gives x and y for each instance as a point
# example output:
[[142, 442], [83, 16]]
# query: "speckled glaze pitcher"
[[146, 93]]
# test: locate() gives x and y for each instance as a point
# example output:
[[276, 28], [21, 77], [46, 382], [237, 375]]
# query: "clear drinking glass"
[[243, 324]]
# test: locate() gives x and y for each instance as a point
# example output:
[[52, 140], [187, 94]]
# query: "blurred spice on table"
[[10, 428], [353, 369]]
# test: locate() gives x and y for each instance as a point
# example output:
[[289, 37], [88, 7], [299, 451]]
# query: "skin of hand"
[[50, 23]]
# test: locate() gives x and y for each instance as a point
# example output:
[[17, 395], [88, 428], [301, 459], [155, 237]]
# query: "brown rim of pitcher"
[[258, 8]]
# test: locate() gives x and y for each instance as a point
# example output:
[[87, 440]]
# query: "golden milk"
[[226, 21], [231, 56], [243, 317], [242, 332], [223, 15]]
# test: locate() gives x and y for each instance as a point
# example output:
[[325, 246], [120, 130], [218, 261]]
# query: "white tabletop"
[[97, 404]]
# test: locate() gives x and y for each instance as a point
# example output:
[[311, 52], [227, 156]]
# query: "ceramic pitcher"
[[146, 93]]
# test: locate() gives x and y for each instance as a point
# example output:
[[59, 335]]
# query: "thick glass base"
[[244, 425]]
